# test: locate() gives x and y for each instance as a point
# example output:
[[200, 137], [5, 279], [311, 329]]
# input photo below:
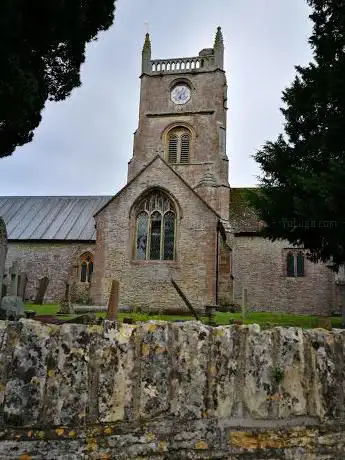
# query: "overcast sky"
[[84, 143]]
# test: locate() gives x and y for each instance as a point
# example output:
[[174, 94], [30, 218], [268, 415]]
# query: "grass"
[[264, 319]]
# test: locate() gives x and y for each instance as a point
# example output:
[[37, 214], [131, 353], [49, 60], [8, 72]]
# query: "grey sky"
[[84, 143]]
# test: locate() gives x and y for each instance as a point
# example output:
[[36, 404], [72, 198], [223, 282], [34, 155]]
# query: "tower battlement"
[[209, 59]]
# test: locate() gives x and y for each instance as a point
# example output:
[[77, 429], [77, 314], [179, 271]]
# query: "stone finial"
[[219, 49], [219, 38], [146, 54]]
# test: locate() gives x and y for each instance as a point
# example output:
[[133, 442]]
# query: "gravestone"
[[113, 303], [66, 307], [41, 290], [12, 308], [244, 303], [3, 252], [13, 281], [22, 282]]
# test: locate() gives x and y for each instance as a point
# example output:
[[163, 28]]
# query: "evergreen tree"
[[42, 46], [302, 194]]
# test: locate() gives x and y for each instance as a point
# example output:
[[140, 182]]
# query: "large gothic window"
[[155, 228], [179, 140]]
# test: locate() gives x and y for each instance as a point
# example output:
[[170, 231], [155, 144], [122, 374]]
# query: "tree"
[[302, 193], [42, 46]]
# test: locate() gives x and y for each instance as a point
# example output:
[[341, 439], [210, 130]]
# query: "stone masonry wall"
[[178, 391], [3, 250], [259, 265], [204, 113], [58, 261], [147, 283]]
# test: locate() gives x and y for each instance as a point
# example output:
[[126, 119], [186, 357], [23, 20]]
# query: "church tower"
[[182, 117]]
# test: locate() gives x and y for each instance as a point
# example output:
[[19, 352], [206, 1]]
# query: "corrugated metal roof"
[[51, 217]]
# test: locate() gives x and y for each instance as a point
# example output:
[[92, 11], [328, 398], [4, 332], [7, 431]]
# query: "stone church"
[[177, 218]]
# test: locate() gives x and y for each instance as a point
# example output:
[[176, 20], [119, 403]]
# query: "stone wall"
[[3, 251], [259, 265], [170, 391], [57, 261]]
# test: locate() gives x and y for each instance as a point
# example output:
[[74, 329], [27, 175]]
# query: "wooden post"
[[244, 302], [113, 302]]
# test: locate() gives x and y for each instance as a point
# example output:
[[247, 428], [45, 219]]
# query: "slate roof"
[[51, 217], [71, 217], [243, 218]]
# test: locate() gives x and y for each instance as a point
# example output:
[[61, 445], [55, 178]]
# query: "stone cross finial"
[[159, 151]]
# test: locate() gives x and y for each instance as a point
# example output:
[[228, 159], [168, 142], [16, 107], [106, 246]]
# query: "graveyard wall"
[[170, 391], [59, 261]]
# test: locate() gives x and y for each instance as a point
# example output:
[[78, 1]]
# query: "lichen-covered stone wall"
[[170, 391]]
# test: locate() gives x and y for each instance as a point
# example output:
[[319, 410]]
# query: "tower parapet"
[[209, 59]]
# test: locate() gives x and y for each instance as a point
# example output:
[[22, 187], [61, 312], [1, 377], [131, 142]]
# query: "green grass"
[[264, 319]]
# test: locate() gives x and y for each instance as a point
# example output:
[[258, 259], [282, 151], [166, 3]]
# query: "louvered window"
[[155, 228], [172, 153], [184, 157], [179, 146]]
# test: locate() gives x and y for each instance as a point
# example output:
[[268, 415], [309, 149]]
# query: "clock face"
[[180, 94]]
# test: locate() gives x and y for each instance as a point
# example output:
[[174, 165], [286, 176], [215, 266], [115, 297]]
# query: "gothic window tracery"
[[86, 267], [155, 228], [179, 141]]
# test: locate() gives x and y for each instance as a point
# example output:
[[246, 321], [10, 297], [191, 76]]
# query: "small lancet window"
[[86, 267], [155, 228], [179, 140]]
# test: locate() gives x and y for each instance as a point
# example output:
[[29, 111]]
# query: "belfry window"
[[179, 140], [155, 228], [86, 267]]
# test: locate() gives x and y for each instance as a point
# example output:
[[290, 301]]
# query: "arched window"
[[179, 140], [86, 267], [295, 263], [155, 228]]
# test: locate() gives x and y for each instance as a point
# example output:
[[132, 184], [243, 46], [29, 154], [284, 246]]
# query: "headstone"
[[244, 303], [3, 252], [13, 281], [113, 303], [12, 308], [66, 307], [41, 290], [22, 282]]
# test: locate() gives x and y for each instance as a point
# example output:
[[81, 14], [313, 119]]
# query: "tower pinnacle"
[[146, 54], [219, 49]]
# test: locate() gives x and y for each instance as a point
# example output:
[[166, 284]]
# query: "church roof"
[[51, 217], [243, 218], [71, 217]]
